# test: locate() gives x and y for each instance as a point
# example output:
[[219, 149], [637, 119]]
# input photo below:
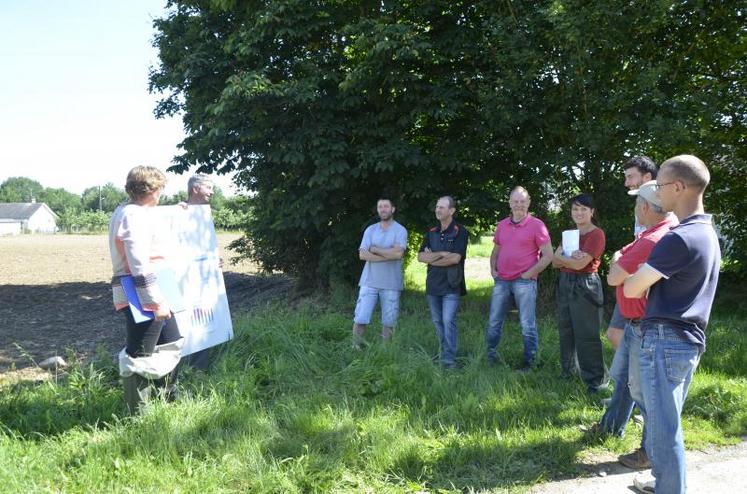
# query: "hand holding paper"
[[571, 242]]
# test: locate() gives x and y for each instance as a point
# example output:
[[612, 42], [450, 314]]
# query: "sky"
[[75, 110]]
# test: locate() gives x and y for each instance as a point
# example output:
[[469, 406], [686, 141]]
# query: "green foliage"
[[289, 407], [86, 394], [105, 198], [324, 106], [20, 189], [74, 221], [229, 219], [60, 200], [180, 196]]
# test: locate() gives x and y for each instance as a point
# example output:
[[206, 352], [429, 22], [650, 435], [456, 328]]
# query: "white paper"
[[192, 252], [571, 240]]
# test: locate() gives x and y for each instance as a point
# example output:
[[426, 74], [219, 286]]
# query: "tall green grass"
[[290, 407]]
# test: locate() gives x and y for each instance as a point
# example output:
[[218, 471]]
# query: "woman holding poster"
[[153, 348], [580, 296]]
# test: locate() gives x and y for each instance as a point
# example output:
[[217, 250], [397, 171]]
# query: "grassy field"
[[290, 407]]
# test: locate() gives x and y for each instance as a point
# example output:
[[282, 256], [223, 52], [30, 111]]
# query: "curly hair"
[[144, 180]]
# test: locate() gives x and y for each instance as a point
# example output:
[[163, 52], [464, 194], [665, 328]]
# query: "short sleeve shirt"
[[688, 259], [519, 245], [593, 243], [384, 274], [452, 239], [633, 255]]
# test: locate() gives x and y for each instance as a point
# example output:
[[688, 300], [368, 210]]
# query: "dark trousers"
[[142, 339], [579, 298], [198, 360]]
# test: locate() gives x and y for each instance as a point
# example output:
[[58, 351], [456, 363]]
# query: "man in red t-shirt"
[[657, 223]]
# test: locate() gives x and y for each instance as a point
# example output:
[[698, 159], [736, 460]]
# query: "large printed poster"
[[192, 252]]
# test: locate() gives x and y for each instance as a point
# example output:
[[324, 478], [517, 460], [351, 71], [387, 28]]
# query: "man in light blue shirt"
[[382, 247]]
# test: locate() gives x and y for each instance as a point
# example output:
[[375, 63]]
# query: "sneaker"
[[637, 460], [645, 484], [606, 402], [526, 369], [638, 419]]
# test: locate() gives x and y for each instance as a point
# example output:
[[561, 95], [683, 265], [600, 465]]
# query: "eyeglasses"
[[659, 186]]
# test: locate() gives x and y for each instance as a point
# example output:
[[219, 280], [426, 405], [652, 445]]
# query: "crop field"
[[55, 296]]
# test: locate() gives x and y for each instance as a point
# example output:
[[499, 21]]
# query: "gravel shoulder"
[[715, 470]]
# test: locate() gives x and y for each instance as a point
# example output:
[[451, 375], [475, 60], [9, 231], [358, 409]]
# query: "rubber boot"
[[137, 391], [167, 386]]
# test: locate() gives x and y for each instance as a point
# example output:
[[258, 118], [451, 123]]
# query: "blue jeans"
[[444, 310], [667, 364], [525, 295], [618, 412]]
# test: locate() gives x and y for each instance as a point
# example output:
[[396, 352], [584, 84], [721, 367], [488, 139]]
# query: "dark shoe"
[[637, 460], [526, 369]]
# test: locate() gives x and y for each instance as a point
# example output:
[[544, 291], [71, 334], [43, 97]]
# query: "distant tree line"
[[90, 211]]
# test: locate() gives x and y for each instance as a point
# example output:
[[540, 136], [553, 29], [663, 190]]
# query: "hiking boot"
[[637, 460], [645, 484]]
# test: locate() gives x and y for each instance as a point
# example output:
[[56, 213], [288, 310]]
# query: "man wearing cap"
[[521, 251], [638, 170], [680, 276], [656, 223]]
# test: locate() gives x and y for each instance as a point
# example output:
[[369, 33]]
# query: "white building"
[[20, 217]]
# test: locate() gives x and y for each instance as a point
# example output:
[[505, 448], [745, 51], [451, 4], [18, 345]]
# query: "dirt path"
[[55, 296], [717, 470]]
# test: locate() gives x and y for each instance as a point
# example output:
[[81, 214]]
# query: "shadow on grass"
[[488, 465], [37, 410]]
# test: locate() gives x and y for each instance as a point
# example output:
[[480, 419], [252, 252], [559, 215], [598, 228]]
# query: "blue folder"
[[166, 280]]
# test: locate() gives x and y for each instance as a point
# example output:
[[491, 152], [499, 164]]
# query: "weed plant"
[[290, 407]]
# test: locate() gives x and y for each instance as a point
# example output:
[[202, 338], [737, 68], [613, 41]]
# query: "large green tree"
[[60, 200], [323, 106]]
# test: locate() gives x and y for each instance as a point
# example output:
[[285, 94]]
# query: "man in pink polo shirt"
[[521, 251]]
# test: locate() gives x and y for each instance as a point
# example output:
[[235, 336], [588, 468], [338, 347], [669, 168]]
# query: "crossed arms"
[[440, 258], [380, 254]]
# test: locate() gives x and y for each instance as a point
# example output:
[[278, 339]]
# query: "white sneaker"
[[645, 483]]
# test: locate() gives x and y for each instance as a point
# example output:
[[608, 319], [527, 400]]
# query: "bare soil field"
[[55, 296]]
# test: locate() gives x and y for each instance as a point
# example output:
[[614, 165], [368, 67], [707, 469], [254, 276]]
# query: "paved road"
[[720, 470]]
